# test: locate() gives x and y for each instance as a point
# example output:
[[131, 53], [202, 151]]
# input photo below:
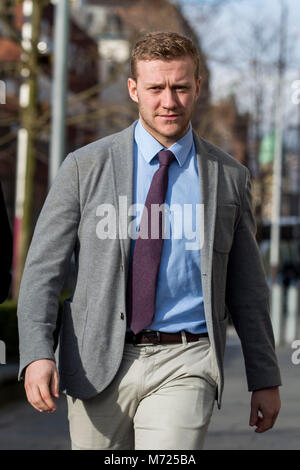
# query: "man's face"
[[166, 93]]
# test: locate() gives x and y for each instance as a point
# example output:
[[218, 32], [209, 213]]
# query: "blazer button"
[[122, 316]]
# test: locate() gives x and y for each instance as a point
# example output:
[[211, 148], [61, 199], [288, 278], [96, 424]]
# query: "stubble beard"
[[170, 136]]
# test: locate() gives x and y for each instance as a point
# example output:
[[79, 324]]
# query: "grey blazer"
[[94, 318]]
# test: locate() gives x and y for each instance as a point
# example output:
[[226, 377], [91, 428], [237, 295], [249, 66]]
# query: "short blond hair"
[[163, 46]]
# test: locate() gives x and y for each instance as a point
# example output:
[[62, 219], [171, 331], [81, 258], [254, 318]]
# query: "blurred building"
[[289, 250], [83, 73], [229, 129], [102, 33], [263, 185], [116, 25]]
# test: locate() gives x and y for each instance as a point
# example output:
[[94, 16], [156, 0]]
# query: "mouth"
[[169, 117]]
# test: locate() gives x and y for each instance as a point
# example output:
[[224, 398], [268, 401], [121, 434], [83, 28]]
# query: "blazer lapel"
[[122, 166], [208, 177]]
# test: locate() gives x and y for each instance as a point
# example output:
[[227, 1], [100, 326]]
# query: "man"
[[143, 335], [6, 250]]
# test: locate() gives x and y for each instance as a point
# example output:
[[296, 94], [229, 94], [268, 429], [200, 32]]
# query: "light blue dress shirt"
[[179, 298]]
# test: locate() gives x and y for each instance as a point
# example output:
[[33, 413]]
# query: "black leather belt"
[[151, 337]]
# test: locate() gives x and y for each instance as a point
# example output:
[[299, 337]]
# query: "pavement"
[[22, 427], [229, 428]]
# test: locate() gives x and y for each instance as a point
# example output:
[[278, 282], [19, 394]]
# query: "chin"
[[173, 129], [170, 130]]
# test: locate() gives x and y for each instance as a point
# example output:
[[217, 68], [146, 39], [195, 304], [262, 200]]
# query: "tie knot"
[[165, 157]]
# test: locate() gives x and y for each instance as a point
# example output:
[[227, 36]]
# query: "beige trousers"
[[161, 398]]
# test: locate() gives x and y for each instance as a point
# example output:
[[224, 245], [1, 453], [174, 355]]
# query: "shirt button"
[[122, 267], [122, 316]]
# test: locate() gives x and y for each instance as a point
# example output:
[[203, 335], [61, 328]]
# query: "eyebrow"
[[184, 84]]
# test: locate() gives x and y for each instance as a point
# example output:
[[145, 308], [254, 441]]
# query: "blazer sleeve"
[[6, 250], [46, 266], [247, 298]]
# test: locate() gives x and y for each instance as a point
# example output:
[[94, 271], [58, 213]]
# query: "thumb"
[[54, 384]]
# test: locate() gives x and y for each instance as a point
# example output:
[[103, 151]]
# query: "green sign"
[[267, 149]]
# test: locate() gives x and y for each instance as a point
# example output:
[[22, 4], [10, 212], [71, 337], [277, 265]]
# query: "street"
[[21, 427], [229, 427]]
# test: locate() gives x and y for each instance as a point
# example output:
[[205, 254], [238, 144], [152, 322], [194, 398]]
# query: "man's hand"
[[41, 381], [267, 403]]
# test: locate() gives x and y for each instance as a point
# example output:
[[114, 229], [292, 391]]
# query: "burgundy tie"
[[142, 277]]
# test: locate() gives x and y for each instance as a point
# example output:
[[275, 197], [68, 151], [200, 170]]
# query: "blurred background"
[[63, 84]]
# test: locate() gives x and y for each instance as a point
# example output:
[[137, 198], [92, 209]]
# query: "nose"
[[169, 99]]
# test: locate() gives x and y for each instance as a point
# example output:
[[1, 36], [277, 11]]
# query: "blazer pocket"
[[224, 229]]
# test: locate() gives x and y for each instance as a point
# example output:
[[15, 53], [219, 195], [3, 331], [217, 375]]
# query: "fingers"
[[253, 415], [265, 407], [39, 397], [54, 384], [41, 381], [46, 397], [263, 420], [266, 422], [34, 398]]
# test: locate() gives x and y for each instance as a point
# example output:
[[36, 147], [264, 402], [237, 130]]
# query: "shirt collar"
[[149, 146]]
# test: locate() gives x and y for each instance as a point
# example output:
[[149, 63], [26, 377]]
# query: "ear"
[[132, 88], [198, 84]]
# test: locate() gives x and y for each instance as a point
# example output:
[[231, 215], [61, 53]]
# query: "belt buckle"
[[155, 334]]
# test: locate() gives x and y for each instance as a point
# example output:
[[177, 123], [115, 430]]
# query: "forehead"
[[182, 68]]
